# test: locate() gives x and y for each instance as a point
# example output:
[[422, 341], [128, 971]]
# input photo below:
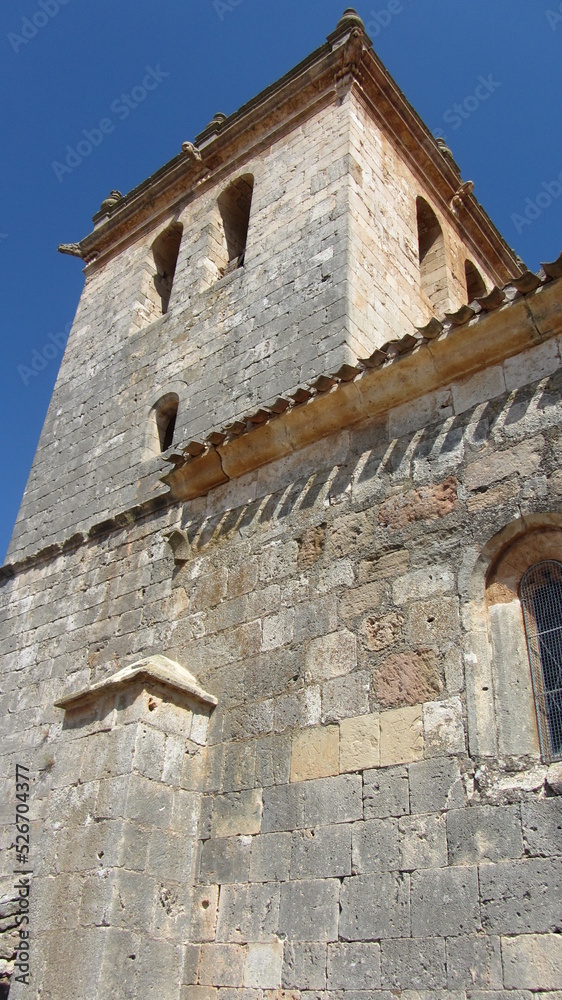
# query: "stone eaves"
[[500, 325]]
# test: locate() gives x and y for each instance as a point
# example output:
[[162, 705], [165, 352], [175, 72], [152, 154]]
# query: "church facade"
[[282, 611]]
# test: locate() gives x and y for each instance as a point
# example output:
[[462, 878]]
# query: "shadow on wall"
[[443, 440]]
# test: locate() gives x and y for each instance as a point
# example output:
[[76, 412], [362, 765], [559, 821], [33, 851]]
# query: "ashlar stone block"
[[375, 846], [271, 857], [315, 753], [237, 813], [331, 655], [445, 902], [321, 853], [386, 792], [375, 907], [332, 800], [401, 735], [414, 964], [264, 962], [309, 910], [304, 965], [354, 966], [222, 965], [360, 743], [484, 833], [532, 961]]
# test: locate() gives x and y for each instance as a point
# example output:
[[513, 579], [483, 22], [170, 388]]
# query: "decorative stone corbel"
[[460, 196], [351, 58], [177, 540], [72, 249], [191, 152]]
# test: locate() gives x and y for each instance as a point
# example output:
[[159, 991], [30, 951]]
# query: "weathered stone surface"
[[443, 727], [226, 860], [271, 856], [304, 966], [315, 753], [423, 843], [359, 743], [484, 833], [375, 846], [237, 813], [523, 459], [321, 853], [354, 966], [407, 678], [445, 902], [423, 583], [419, 505], [204, 913], [248, 913], [386, 792], [414, 964], [474, 962], [309, 910], [222, 965], [331, 655], [532, 961], [345, 696], [542, 827], [435, 785], [311, 546], [379, 633], [521, 897], [332, 800], [283, 808], [374, 907], [401, 733], [263, 965]]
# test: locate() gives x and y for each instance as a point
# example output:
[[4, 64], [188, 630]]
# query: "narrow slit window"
[[475, 287], [432, 260], [234, 207], [165, 251], [541, 601], [166, 411]]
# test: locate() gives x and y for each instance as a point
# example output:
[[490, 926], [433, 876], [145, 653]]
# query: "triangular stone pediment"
[[155, 668]]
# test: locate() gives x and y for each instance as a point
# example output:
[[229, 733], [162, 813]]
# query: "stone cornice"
[[456, 352]]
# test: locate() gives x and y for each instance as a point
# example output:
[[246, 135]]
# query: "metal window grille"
[[541, 600]]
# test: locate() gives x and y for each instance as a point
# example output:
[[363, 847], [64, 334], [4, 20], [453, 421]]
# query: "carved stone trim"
[[155, 668]]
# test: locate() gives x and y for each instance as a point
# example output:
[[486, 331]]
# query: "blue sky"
[[65, 66]]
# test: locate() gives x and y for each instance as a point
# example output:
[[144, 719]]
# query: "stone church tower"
[[283, 605]]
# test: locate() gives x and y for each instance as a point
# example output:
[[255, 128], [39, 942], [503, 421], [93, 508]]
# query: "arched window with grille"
[[541, 601]]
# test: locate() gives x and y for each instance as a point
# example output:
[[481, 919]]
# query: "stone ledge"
[[154, 669], [487, 339]]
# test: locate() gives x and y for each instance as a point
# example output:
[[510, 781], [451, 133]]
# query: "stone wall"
[[357, 827]]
